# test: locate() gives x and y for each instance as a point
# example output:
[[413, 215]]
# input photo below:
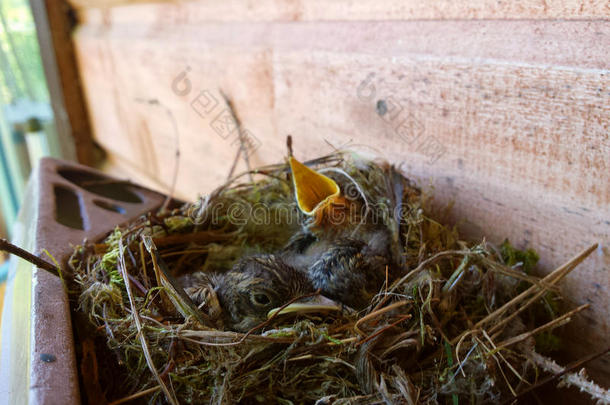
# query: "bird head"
[[257, 286], [317, 195]]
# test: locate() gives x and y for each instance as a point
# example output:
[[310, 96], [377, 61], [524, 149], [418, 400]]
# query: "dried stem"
[[242, 142], [176, 293], [427, 262], [377, 313], [551, 278], [8, 247], [562, 320], [136, 318], [172, 118], [135, 396], [578, 380], [380, 331], [309, 357], [197, 237]]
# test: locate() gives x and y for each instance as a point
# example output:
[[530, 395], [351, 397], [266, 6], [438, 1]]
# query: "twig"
[[551, 278], [376, 313], [8, 247], [143, 259], [577, 380], [380, 331], [289, 145], [461, 363], [521, 308], [261, 325], [562, 320], [172, 118], [242, 143], [226, 338], [135, 396], [428, 261], [234, 165], [493, 356], [136, 318], [496, 349], [174, 290]]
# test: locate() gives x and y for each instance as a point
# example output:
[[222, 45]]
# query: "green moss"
[[547, 342], [178, 224], [331, 339], [511, 256], [417, 346]]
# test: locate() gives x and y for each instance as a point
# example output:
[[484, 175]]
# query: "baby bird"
[[349, 271], [249, 292], [346, 260], [345, 257]]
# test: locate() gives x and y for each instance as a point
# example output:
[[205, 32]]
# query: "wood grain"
[[507, 119], [345, 10], [54, 26]]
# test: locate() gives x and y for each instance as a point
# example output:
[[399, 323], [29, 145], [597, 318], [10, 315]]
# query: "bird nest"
[[457, 322]]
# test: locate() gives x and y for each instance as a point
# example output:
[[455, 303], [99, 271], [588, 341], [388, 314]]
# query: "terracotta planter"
[[64, 204]]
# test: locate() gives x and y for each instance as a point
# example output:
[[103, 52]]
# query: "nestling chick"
[[345, 256], [349, 271], [253, 287]]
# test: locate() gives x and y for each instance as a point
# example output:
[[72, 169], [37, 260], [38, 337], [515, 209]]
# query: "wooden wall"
[[503, 107]]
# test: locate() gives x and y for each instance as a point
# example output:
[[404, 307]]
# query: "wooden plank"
[[508, 119], [578, 44], [16, 339], [491, 91], [54, 24], [344, 10]]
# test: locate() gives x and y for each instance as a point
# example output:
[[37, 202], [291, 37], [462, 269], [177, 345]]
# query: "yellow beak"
[[314, 191], [318, 303]]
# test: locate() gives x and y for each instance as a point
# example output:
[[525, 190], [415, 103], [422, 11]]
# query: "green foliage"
[[511, 256], [547, 342], [429, 343], [22, 73], [544, 311]]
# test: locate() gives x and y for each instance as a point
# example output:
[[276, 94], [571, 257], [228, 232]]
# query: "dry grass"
[[458, 326]]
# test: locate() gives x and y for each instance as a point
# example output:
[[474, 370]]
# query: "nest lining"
[[444, 331]]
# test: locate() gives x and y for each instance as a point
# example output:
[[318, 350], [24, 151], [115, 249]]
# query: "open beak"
[[314, 191], [317, 303]]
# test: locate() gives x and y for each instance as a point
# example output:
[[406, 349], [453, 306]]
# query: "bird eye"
[[261, 299]]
